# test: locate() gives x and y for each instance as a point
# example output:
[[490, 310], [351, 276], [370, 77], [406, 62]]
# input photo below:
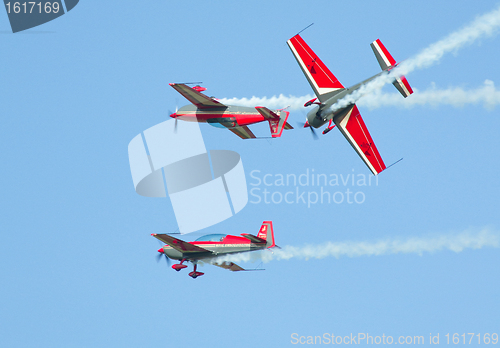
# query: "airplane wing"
[[243, 132], [321, 79], [354, 130], [229, 265], [197, 98], [180, 245]]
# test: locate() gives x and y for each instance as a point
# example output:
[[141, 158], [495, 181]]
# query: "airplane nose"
[[307, 124], [174, 115], [160, 250]]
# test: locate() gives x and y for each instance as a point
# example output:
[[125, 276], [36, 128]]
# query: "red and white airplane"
[[209, 247], [234, 118], [329, 90]]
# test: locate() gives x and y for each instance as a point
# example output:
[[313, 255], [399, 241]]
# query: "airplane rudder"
[[266, 232], [277, 126], [263, 230]]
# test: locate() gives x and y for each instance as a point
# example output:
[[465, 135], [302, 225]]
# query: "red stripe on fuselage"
[[227, 240], [242, 119]]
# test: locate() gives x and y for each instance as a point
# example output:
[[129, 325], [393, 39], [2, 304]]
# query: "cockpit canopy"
[[211, 238]]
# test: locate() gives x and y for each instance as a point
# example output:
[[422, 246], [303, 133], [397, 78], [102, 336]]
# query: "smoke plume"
[[470, 239], [483, 26], [486, 95]]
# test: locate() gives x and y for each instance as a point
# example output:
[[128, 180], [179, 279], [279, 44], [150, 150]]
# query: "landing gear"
[[195, 274], [179, 266], [329, 128]]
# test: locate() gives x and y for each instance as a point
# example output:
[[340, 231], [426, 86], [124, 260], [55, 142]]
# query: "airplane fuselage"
[[228, 117], [233, 246], [323, 113]]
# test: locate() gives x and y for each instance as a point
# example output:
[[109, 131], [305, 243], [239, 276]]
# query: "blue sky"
[[78, 262]]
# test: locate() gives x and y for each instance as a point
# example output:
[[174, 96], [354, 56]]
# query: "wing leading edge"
[[352, 126], [197, 98], [180, 245]]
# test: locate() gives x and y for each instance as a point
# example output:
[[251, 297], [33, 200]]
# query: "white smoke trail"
[[296, 103], [487, 95], [458, 97], [457, 242], [483, 26]]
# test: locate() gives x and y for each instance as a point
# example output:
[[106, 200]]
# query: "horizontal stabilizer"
[[253, 239], [229, 265], [243, 132], [234, 267], [403, 86], [268, 114], [387, 62]]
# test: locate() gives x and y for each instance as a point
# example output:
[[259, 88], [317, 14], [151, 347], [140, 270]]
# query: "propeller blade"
[[315, 136], [158, 257], [175, 124], [306, 125]]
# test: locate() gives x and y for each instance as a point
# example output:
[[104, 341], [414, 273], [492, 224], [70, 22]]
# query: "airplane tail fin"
[[276, 122], [266, 232], [386, 63]]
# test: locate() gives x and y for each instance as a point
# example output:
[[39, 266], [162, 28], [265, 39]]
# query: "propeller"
[[176, 109], [175, 123], [174, 115], [305, 125], [160, 255]]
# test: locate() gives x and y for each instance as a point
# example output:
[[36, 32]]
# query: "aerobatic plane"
[[207, 248], [329, 90], [234, 118]]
